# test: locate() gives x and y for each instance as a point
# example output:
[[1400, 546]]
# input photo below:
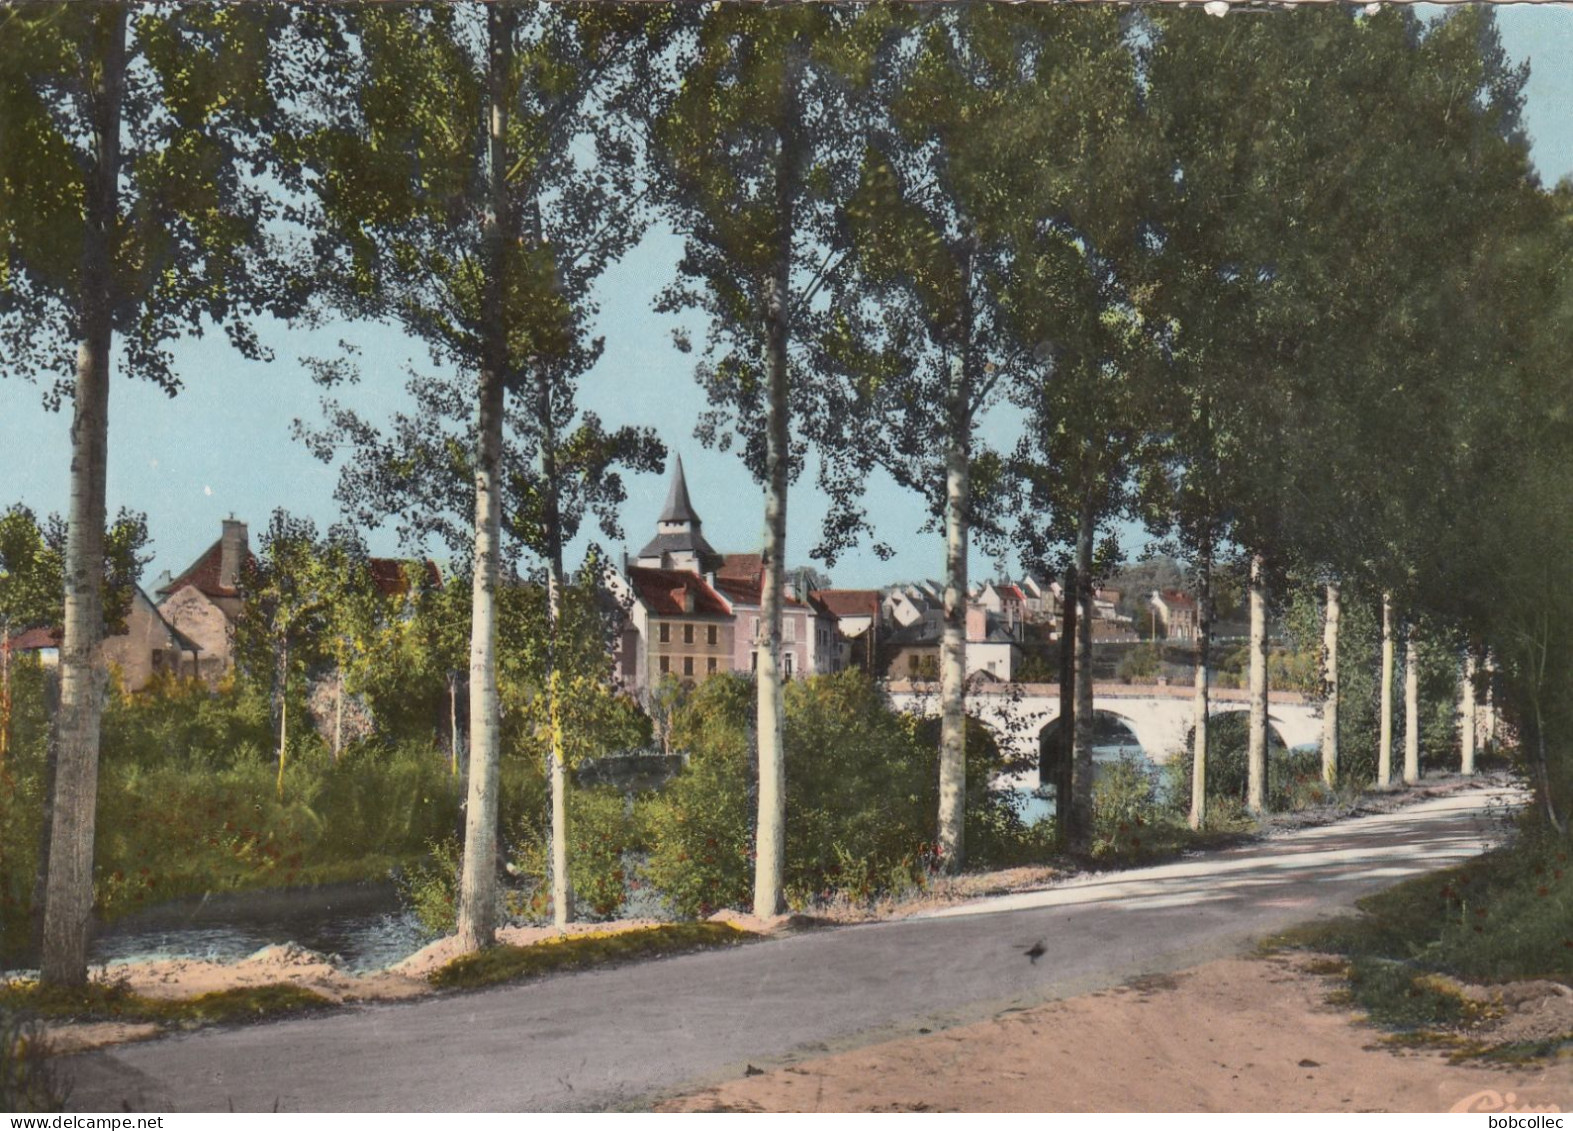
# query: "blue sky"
[[224, 445]]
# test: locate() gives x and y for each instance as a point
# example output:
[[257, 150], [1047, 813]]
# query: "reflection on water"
[[361, 925], [1036, 807]]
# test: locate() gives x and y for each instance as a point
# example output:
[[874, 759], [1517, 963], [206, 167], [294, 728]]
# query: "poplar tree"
[[132, 212]]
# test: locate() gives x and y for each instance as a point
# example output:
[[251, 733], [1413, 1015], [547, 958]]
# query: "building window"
[[712, 634], [688, 634], [788, 629], [786, 662], [755, 664], [666, 634], [666, 663], [912, 664], [688, 665], [710, 665]]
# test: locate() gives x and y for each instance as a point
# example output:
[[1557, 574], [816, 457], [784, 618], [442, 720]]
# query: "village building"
[[204, 601], [858, 620], [1176, 613]]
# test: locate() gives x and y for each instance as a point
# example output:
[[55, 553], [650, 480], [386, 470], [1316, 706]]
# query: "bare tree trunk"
[[1411, 707], [1083, 724], [953, 641], [1466, 710], [5, 692], [1076, 820], [1330, 687], [556, 761], [281, 674], [453, 723], [477, 924], [338, 712], [68, 897], [1256, 747], [1204, 630], [1384, 708]]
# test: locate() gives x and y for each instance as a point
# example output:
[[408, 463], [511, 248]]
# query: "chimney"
[[232, 553], [977, 622]]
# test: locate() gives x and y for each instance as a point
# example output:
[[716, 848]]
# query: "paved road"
[[619, 1037]]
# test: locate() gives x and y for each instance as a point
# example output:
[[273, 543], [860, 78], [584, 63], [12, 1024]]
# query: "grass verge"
[[114, 1001], [1411, 954], [581, 952]]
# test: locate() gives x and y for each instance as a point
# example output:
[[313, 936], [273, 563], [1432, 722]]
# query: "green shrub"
[[429, 887], [602, 834], [862, 797], [1125, 809], [188, 802], [28, 1081]]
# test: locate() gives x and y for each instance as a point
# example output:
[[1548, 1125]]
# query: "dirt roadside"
[[1248, 1034]]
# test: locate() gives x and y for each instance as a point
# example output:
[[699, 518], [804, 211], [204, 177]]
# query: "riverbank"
[[318, 974]]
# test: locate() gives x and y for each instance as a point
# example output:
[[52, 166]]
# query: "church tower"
[[679, 542]]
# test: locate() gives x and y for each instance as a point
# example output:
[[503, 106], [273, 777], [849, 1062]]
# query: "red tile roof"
[[661, 592], [748, 591], [742, 567], [389, 575], [204, 573], [37, 639], [849, 602], [1178, 600], [1013, 591]]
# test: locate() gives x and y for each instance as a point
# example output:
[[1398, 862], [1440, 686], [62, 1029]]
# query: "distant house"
[[808, 631], [1042, 600], [204, 601], [678, 624], [1176, 613], [149, 645], [907, 606], [145, 645], [1007, 602], [857, 616], [391, 576], [42, 644], [992, 651], [992, 647], [914, 648]]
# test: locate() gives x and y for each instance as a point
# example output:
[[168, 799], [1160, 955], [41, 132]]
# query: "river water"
[[361, 925]]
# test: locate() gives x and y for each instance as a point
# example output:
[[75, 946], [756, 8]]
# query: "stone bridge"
[[1159, 716]]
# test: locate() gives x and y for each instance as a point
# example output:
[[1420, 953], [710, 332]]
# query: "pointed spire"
[[678, 508]]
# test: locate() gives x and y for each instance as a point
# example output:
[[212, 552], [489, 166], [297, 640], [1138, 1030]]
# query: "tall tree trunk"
[[1256, 747], [477, 925], [1084, 727], [1411, 706], [953, 641], [5, 692], [338, 712], [556, 759], [1384, 707], [1076, 820], [281, 676], [770, 709], [1330, 687], [453, 723], [1466, 711], [1204, 628], [68, 897]]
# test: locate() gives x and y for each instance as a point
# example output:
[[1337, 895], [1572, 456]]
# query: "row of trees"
[[1322, 338]]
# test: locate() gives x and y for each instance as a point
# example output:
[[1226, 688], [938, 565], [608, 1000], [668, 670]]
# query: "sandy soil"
[[1235, 1035]]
